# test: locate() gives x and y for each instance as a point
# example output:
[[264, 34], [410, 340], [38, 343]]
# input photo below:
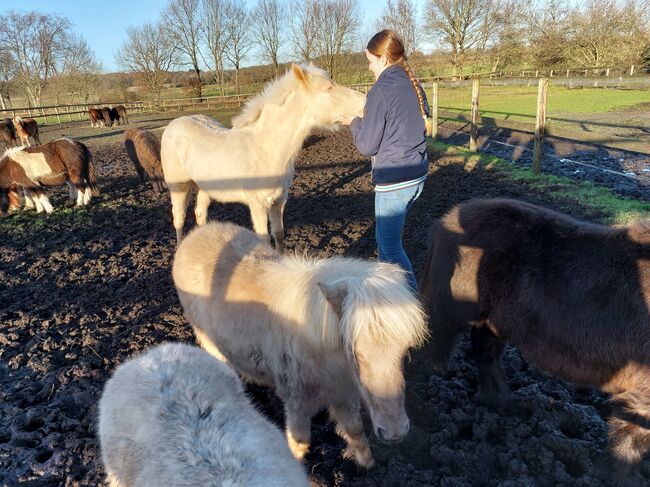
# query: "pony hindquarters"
[[484, 266], [326, 333], [177, 416]]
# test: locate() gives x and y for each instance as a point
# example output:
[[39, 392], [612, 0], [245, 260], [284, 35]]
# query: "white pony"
[[175, 416], [326, 333], [252, 163]]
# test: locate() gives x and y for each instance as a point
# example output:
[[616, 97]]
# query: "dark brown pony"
[[143, 149], [106, 114], [8, 133], [52, 164], [121, 111], [572, 296], [26, 128], [115, 117], [96, 117]]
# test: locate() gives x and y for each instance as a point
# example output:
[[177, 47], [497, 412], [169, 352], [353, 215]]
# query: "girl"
[[393, 131]]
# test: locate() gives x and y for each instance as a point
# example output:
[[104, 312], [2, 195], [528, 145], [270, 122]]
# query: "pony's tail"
[[91, 176]]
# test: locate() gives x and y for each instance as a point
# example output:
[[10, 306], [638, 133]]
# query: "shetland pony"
[[96, 117], [106, 115], [176, 416], [252, 163], [325, 333], [143, 149], [52, 164], [8, 133], [26, 128], [573, 297], [121, 112]]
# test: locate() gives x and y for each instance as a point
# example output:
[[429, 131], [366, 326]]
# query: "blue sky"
[[103, 23]]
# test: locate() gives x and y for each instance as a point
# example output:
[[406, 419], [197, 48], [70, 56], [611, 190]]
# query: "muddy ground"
[[84, 289]]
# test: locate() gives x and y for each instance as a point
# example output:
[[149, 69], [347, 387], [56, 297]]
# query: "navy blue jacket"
[[392, 129]]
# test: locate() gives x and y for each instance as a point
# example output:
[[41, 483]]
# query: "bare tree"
[[268, 21], [35, 43], [182, 19], [215, 36], [304, 28], [149, 52], [549, 33], [606, 32], [460, 25], [239, 41], [338, 25], [7, 74], [401, 16], [79, 73], [506, 44]]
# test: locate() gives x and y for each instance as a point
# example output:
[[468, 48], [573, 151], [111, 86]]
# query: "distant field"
[[597, 109]]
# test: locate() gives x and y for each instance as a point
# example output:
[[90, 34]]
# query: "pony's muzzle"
[[393, 435]]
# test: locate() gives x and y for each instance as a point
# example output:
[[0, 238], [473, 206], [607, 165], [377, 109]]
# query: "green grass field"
[[520, 102]]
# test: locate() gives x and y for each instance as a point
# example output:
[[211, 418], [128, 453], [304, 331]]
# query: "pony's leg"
[[277, 226], [201, 207], [87, 195], [298, 418], [29, 200], [629, 431], [42, 202], [72, 192], [179, 192], [349, 426], [487, 349], [260, 218]]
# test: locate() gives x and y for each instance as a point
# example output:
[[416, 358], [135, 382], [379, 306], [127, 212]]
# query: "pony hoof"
[[363, 457], [298, 450]]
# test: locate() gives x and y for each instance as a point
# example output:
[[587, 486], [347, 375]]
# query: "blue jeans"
[[390, 212]]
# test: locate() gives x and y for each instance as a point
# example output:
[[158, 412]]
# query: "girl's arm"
[[369, 130]]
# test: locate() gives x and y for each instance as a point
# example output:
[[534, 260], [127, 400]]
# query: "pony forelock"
[[381, 304], [275, 92]]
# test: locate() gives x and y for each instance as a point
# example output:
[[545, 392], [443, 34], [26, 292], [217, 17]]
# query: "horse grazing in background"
[[106, 115], [26, 128], [325, 333], [55, 163], [177, 416], [115, 116], [252, 163], [121, 111], [573, 297], [96, 117], [143, 149], [8, 133]]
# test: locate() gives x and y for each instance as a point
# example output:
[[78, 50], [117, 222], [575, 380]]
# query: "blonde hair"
[[388, 43]]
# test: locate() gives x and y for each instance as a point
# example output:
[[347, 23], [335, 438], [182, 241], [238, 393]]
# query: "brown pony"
[[26, 128], [572, 296], [52, 164], [106, 114], [143, 149], [121, 111], [8, 133], [96, 117]]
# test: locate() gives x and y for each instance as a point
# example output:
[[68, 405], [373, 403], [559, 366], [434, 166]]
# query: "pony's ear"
[[335, 295], [299, 73]]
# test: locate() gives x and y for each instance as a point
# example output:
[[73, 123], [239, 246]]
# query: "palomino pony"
[[26, 128], [325, 333], [57, 162], [176, 416], [573, 297], [252, 163]]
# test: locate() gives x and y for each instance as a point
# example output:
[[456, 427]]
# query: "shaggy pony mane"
[[275, 93]]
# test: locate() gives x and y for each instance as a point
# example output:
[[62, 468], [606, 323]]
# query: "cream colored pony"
[[325, 333], [252, 163]]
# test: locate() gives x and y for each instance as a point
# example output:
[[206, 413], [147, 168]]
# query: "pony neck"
[[287, 122]]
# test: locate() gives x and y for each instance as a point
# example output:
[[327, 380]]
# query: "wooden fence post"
[[474, 127], [607, 72], [434, 110], [540, 125], [58, 117], [632, 70]]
